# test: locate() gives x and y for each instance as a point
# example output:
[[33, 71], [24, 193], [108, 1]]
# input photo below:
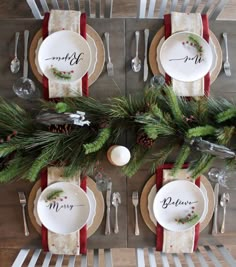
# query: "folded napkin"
[[58, 20], [71, 244], [169, 241], [196, 23]]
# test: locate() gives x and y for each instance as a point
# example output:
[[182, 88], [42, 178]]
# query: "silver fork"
[[226, 63], [135, 203], [110, 69], [22, 199]]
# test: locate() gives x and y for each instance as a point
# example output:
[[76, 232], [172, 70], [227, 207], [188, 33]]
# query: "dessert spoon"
[[15, 63]]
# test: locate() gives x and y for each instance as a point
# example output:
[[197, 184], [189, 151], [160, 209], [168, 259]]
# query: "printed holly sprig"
[[194, 41], [191, 217], [65, 75], [54, 194]]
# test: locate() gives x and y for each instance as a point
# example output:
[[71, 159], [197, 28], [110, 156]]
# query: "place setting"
[[185, 51], [176, 207]]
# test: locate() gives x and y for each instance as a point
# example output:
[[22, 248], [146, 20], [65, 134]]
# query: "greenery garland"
[[153, 117]]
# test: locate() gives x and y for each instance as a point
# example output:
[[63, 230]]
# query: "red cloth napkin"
[[159, 228], [167, 23], [83, 23]]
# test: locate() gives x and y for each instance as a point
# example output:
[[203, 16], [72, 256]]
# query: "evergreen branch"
[[181, 158], [137, 159], [224, 135], [7, 148], [174, 104], [201, 165], [226, 115], [201, 131], [97, 144]]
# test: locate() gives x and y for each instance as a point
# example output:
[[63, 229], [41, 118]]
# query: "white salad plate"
[[68, 212], [177, 201], [64, 52], [181, 59]]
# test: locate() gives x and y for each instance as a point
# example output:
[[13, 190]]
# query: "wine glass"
[[101, 181], [157, 81], [225, 177]]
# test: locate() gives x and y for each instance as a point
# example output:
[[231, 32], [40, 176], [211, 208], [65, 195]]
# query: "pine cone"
[[65, 128], [144, 140], [103, 123]]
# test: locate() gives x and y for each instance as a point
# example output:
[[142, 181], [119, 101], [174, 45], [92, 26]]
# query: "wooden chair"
[[210, 7], [30, 258], [38, 9], [204, 256]]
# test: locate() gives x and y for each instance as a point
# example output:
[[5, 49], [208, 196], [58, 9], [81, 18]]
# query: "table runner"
[[58, 20], [196, 23], [75, 243], [175, 242]]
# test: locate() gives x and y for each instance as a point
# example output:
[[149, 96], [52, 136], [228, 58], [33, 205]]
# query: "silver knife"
[[108, 204], [145, 71], [25, 67], [216, 194]]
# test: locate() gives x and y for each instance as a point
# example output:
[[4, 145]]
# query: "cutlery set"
[[136, 61], [224, 200]]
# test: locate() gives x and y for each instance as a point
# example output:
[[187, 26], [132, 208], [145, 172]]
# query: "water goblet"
[[157, 81], [101, 181], [225, 177]]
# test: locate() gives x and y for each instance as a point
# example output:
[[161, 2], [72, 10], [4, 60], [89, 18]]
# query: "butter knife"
[[145, 69], [108, 204], [216, 194]]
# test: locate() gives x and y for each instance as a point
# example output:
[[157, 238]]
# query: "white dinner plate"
[[65, 53], [92, 202], [66, 214], [93, 49], [182, 61], [152, 195], [177, 200]]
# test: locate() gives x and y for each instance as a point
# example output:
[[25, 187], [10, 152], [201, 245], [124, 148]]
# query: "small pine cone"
[[144, 140], [103, 124], [65, 128]]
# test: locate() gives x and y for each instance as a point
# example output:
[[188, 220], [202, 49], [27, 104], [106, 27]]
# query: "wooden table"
[[125, 81]]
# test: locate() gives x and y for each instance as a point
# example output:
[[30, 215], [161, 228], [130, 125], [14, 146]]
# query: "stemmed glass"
[[101, 181], [225, 177]]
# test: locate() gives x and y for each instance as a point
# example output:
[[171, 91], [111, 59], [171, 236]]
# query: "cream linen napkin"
[[187, 22], [63, 244], [64, 20], [177, 242]]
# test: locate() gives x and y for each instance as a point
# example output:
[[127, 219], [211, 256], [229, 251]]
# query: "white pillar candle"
[[118, 155]]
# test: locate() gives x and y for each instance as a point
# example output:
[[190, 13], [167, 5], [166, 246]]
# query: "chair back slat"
[[108, 8], [151, 8], [84, 261], [20, 258], [164, 260], [55, 4], [44, 5], [195, 6], [176, 260], [34, 258], [87, 6], [95, 258], [188, 260], [66, 5], [34, 8], [47, 259], [71, 262], [201, 258], [98, 8], [59, 261], [211, 7], [184, 6], [212, 256], [151, 257], [227, 256], [108, 258], [77, 5]]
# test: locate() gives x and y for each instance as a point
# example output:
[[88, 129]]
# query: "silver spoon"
[[15, 63], [24, 87], [136, 62], [116, 200], [223, 202]]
